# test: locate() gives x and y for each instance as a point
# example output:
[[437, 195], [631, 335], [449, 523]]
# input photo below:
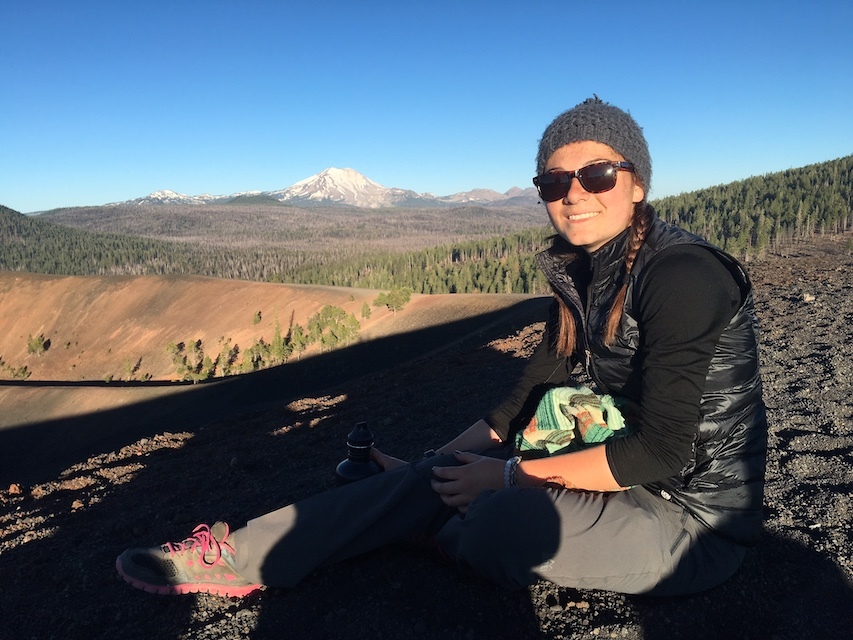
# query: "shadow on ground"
[[30, 453]]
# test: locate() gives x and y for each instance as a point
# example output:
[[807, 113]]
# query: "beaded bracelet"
[[511, 472]]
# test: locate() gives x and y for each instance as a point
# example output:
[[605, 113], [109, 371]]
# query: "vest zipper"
[[590, 363]]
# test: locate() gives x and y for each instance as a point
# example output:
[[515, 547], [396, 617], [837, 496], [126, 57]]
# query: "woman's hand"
[[459, 486], [385, 461]]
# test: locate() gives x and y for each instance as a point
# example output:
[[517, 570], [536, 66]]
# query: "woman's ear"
[[639, 192]]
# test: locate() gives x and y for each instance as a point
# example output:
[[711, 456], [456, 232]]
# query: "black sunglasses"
[[595, 178]]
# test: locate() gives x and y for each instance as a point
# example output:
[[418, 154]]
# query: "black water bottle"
[[358, 464]]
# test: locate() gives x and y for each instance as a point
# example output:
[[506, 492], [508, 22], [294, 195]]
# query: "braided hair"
[[641, 221]]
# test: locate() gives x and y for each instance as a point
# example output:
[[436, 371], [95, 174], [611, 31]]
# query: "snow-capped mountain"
[[345, 186], [337, 185], [348, 187]]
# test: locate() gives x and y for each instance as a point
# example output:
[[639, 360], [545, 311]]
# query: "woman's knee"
[[505, 535]]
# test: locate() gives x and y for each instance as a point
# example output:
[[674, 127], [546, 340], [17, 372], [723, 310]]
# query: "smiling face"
[[591, 220]]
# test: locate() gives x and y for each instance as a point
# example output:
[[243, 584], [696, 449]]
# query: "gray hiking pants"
[[629, 541]]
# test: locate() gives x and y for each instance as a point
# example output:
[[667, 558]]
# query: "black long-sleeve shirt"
[[688, 299]]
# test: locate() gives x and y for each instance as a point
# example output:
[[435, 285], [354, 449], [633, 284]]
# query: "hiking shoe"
[[201, 563]]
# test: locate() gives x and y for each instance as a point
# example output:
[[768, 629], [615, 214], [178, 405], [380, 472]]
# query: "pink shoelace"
[[202, 540]]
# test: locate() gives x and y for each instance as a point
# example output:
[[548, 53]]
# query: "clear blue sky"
[[106, 101]]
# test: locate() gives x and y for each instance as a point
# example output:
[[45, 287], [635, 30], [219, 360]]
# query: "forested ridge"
[[750, 216], [747, 218]]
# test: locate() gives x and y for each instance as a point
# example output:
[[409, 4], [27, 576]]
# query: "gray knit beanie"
[[600, 122]]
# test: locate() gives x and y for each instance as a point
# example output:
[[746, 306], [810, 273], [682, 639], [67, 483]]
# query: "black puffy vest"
[[723, 483]]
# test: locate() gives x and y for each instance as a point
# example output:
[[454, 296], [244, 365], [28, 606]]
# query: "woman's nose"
[[576, 192]]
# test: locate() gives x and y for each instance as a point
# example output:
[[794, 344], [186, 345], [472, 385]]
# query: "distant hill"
[[258, 221], [120, 328], [254, 199]]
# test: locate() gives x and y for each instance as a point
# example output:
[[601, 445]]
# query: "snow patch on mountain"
[[167, 196]]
